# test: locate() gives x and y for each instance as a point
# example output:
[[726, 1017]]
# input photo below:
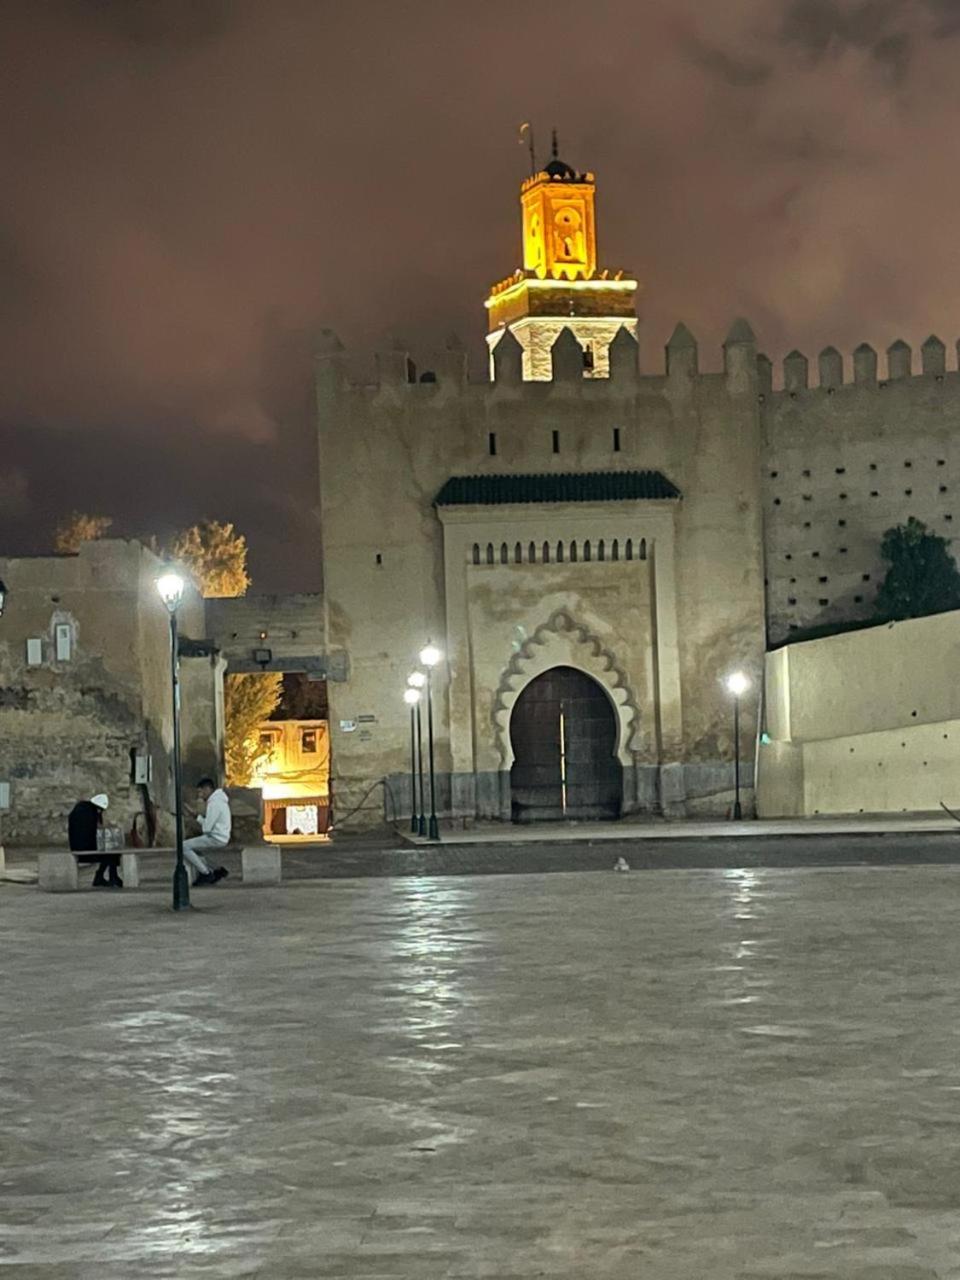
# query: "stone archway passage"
[[563, 731]]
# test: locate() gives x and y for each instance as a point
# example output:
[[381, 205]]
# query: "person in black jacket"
[[83, 824]]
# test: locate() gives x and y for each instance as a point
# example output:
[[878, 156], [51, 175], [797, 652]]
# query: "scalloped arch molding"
[[563, 642]]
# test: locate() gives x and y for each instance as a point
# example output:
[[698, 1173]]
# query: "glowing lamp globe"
[[430, 656], [738, 684], [411, 697], [170, 587], [416, 680]]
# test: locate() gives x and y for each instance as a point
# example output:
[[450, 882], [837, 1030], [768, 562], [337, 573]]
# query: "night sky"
[[190, 188]]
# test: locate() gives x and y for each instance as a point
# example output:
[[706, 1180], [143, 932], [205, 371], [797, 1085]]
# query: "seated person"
[[83, 824], [215, 825]]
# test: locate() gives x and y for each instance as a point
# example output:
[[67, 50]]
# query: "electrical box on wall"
[[142, 769], [64, 641]]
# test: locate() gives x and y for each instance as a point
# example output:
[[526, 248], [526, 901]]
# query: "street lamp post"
[[417, 681], [412, 698], [737, 684], [170, 587], [429, 657]]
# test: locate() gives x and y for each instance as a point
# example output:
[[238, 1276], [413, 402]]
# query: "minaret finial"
[[556, 153]]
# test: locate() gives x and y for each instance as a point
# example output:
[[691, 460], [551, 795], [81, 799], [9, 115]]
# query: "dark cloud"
[[192, 189], [740, 73]]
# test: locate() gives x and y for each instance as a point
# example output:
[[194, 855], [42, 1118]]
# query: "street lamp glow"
[[416, 680], [738, 683], [411, 697], [170, 586], [430, 656]]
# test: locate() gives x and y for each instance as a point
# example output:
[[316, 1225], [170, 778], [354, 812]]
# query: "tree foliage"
[[216, 556], [922, 578], [78, 528], [248, 700]]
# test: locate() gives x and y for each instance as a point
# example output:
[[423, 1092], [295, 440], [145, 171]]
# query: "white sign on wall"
[[4, 795]]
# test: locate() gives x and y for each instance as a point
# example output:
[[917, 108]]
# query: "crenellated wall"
[[391, 577], [843, 461]]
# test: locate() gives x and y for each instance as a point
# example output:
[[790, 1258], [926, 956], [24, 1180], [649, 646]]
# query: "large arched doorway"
[[564, 736]]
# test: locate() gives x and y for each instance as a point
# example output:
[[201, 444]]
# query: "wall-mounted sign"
[[366, 719], [4, 795], [347, 726]]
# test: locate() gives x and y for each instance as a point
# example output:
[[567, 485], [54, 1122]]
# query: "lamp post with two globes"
[[170, 587], [430, 656], [737, 684]]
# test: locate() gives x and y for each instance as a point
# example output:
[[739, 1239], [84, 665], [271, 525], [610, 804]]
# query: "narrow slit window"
[[532, 553], [476, 553], [559, 553], [492, 444], [546, 553], [628, 550], [587, 550], [504, 557], [556, 441], [615, 549], [573, 552], [601, 550], [616, 439], [518, 554], [489, 553], [643, 548]]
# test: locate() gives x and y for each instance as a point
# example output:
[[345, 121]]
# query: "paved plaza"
[[661, 1075]]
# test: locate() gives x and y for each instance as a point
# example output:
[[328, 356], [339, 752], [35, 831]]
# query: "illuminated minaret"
[[559, 284]]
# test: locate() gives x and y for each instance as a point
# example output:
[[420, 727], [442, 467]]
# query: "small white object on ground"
[[621, 864]]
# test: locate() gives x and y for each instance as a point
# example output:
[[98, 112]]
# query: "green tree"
[[78, 528], [248, 700], [922, 578], [216, 555]]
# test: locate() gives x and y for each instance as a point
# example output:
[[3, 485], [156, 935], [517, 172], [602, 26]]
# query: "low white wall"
[[867, 722]]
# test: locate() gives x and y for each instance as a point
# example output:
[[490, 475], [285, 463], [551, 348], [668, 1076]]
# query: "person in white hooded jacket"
[[215, 823]]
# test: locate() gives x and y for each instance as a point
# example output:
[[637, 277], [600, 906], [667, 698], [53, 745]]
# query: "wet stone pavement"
[[680, 1074]]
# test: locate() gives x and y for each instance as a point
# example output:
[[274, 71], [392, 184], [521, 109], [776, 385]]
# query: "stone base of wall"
[[673, 791]]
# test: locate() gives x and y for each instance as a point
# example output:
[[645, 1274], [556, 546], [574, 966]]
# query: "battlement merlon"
[[830, 366], [566, 368]]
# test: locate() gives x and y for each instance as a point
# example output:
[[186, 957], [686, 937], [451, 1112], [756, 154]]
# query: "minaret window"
[[492, 444], [616, 439], [556, 442]]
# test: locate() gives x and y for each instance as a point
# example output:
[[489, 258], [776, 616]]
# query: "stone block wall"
[[89, 691]]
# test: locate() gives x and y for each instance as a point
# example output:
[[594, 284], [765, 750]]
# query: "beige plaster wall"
[[864, 722], [387, 449]]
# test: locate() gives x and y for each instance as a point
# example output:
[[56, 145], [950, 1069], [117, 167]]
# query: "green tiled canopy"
[[572, 486]]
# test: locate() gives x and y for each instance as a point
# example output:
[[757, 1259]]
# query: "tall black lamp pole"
[[738, 684], [412, 698], [170, 587], [430, 657]]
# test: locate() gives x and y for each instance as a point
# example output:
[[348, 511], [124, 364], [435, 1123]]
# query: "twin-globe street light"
[[430, 656], [170, 587], [737, 683]]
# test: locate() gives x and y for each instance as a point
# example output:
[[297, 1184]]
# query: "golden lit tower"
[[559, 284]]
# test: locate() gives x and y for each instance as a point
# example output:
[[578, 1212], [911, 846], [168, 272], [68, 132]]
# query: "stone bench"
[[57, 869]]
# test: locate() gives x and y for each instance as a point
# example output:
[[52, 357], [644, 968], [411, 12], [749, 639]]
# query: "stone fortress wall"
[[394, 577], [845, 460]]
